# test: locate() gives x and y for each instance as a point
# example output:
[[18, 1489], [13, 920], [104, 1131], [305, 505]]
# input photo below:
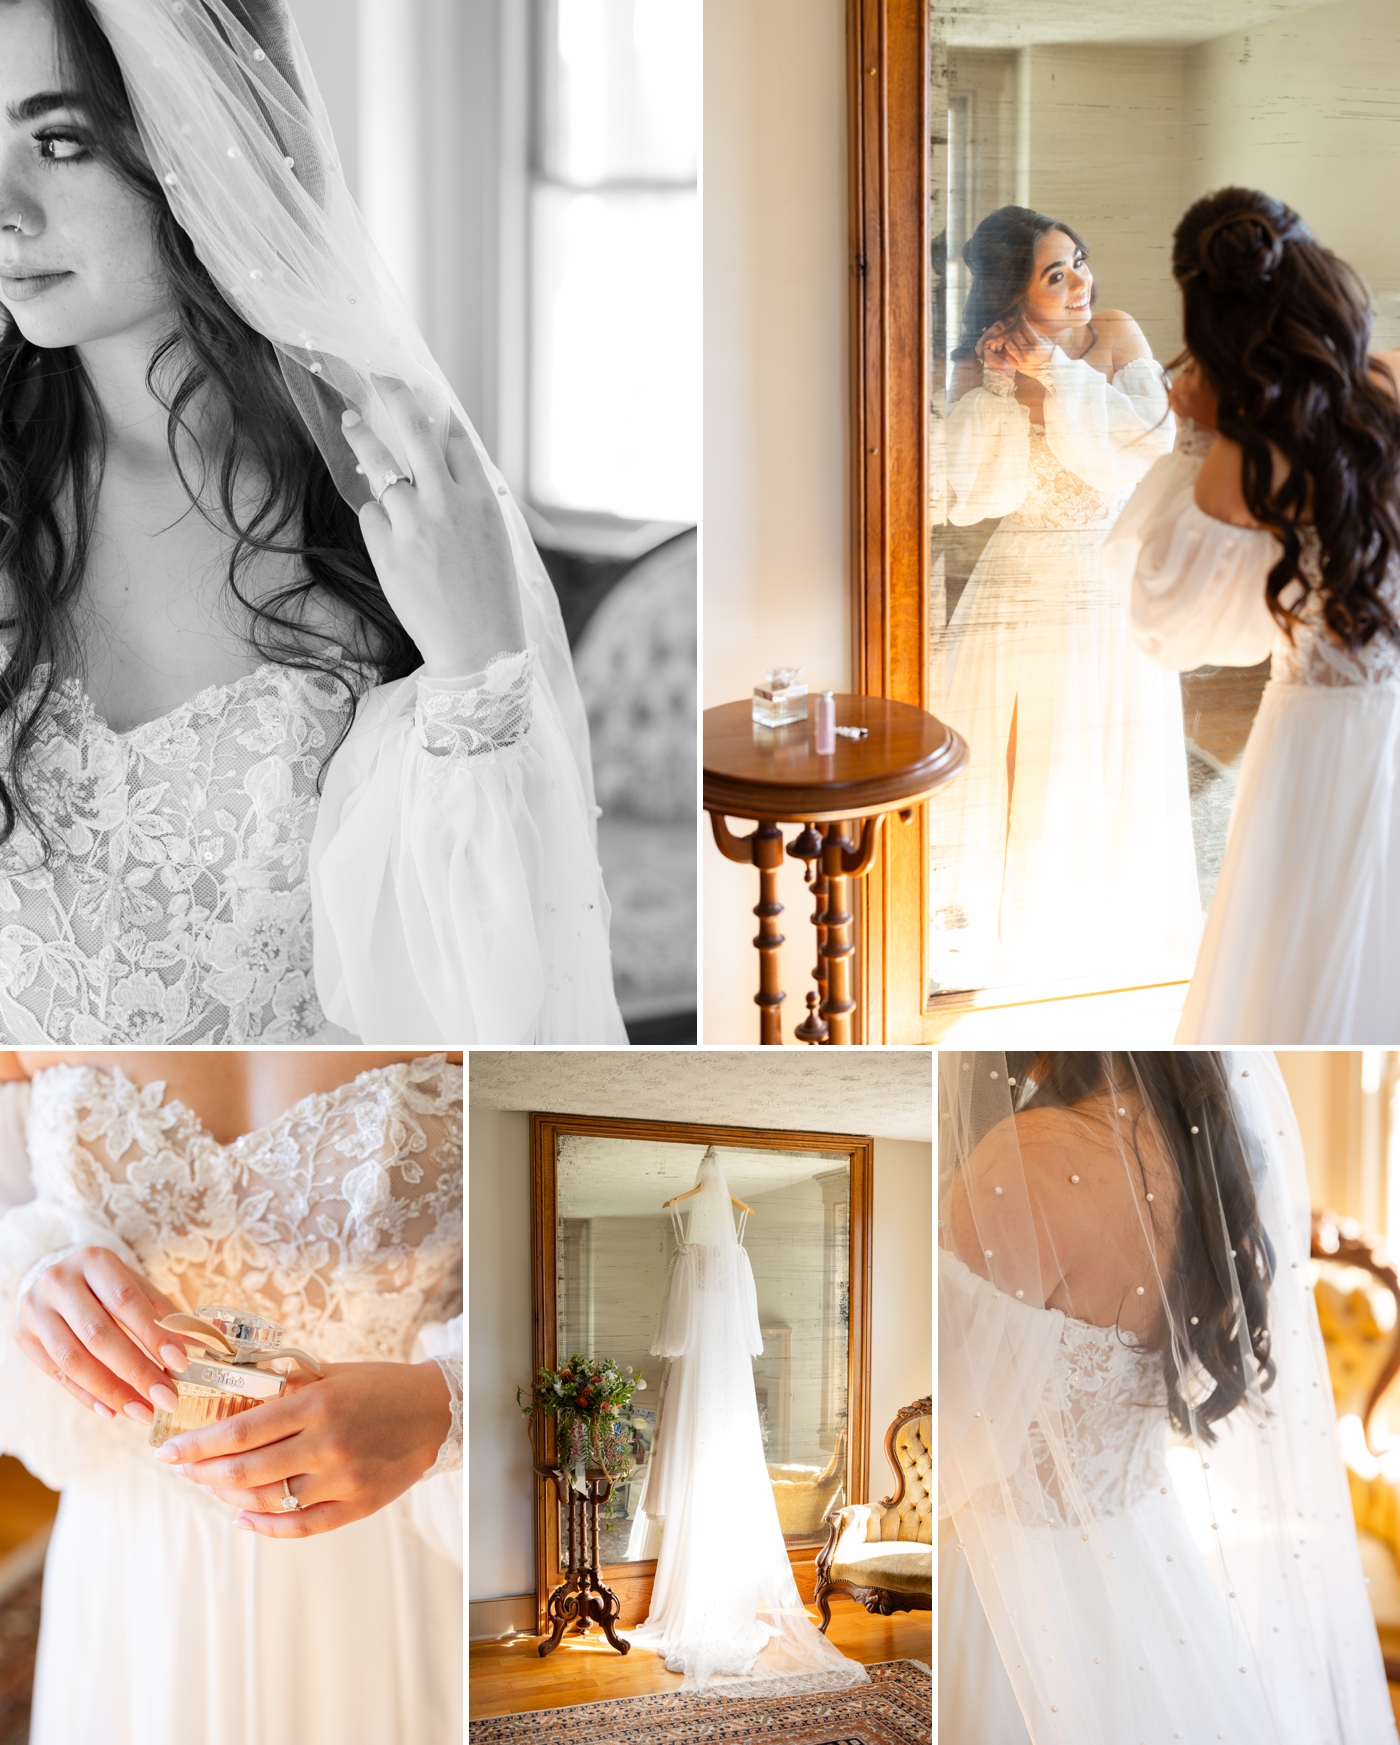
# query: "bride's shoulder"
[[1118, 330]]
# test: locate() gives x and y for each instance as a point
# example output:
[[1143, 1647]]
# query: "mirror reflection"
[[1079, 847], [616, 1246]]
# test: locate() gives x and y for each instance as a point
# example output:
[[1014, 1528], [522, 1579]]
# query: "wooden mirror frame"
[[632, 1581], [892, 146]]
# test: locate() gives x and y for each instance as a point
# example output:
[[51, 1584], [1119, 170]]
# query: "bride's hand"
[[348, 1444], [439, 545], [1027, 350], [89, 1321]]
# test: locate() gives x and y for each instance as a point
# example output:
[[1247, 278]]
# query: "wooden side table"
[[774, 776], [581, 1598]]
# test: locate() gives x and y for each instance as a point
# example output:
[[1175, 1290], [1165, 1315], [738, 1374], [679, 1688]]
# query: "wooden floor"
[[508, 1677]]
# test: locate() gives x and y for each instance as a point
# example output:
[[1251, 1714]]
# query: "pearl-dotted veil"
[[234, 127], [1137, 1447]]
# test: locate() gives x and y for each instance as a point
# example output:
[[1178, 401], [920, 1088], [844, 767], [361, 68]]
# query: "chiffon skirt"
[[164, 1625], [1063, 852], [1302, 939]]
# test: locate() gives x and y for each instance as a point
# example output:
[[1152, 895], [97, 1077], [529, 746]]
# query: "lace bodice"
[[1315, 657], [175, 907], [1112, 1418], [1058, 498]]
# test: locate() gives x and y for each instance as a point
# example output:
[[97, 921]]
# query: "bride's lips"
[[20, 287]]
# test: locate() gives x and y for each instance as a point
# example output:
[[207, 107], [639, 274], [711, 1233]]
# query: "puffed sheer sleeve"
[[39, 1423], [988, 452], [437, 1497], [1196, 584], [1106, 433], [995, 1356], [454, 874]]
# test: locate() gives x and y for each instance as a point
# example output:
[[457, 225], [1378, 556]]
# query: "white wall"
[[499, 1483], [500, 1525], [775, 537]]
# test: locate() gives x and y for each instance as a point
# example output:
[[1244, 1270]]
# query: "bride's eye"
[[57, 147]]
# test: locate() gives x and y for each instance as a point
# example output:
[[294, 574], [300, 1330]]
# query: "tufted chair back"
[[908, 1514]]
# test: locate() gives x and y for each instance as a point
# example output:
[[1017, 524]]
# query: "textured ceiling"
[[887, 1093], [1009, 23]]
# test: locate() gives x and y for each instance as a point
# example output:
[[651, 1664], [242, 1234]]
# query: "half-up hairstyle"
[[1281, 329], [52, 452], [1220, 1244], [1001, 254]]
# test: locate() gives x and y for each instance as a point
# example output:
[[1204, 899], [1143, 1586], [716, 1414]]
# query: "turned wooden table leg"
[[808, 847], [768, 858], [836, 948]]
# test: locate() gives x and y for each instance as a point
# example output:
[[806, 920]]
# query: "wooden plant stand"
[[581, 1598]]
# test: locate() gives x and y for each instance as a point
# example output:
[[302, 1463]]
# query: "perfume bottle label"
[[252, 1384]]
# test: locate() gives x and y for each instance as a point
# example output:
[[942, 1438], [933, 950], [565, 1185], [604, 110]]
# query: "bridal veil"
[[234, 127], [1138, 1467]]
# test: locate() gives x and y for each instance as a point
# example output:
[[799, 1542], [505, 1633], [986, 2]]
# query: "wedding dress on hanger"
[[342, 1221], [725, 1610], [1064, 850], [211, 877], [1145, 1532]]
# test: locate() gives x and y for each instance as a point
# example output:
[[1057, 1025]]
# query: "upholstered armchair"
[[803, 1494], [882, 1553]]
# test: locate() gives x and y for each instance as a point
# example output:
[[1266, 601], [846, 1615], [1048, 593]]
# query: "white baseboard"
[[488, 1620]]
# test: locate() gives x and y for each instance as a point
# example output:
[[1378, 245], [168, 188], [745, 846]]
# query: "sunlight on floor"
[[1133, 1018]]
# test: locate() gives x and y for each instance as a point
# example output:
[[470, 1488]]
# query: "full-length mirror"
[[611, 1214], [1079, 848]]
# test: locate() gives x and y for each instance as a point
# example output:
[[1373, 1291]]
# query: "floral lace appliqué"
[[342, 1220], [175, 907], [486, 715]]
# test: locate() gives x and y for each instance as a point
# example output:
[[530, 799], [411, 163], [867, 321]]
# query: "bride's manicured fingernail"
[[349, 418], [166, 1398], [104, 1411], [135, 1411], [244, 1524], [174, 1357], [169, 1453]]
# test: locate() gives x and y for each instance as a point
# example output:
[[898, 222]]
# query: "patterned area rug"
[[895, 1708], [19, 1637]]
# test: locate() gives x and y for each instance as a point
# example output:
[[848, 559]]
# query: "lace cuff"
[[485, 712], [449, 1456], [999, 383]]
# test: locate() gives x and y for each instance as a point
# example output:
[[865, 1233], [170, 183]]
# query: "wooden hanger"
[[667, 1204]]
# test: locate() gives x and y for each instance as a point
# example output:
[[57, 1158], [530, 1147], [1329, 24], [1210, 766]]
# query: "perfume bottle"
[[780, 698], [227, 1377], [826, 724]]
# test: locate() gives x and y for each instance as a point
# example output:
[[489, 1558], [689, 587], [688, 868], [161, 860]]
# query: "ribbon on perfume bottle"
[[235, 1351]]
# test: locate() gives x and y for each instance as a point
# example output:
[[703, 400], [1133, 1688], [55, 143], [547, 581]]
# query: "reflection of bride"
[[1065, 848], [321, 1191], [1144, 1525]]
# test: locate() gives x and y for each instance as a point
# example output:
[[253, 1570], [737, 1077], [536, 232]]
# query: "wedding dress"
[[209, 882], [725, 1610], [1304, 929], [1071, 858], [342, 1220], [1102, 1576]]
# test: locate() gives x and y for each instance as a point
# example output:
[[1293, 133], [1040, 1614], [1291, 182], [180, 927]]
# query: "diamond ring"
[[391, 477], [288, 1500]]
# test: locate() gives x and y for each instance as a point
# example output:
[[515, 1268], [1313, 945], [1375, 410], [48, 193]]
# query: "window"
[[614, 346]]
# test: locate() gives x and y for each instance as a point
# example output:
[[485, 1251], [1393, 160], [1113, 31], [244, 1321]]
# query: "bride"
[[290, 742], [1145, 1530], [322, 1191], [1275, 529], [1065, 849]]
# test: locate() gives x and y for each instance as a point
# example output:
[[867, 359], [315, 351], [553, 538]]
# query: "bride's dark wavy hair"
[[1281, 329], [1220, 1244], [1001, 254], [52, 450]]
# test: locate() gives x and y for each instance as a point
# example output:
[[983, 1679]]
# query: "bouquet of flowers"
[[588, 1399]]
